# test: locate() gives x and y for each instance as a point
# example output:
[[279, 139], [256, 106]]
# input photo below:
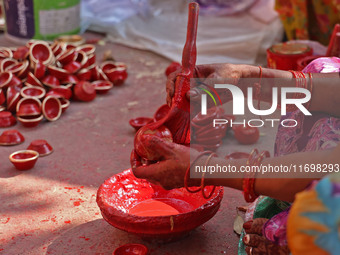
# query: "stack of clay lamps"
[[38, 80]]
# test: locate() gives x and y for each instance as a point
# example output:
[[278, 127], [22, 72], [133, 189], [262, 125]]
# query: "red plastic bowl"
[[120, 193], [41, 146], [131, 249], [24, 160], [140, 122], [11, 137]]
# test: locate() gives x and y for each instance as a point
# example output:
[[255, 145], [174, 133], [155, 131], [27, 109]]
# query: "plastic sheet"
[[160, 26]]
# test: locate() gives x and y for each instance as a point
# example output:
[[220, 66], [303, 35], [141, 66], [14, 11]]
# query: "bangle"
[[258, 89], [186, 176], [301, 82], [249, 179], [310, 88], [202, 179]]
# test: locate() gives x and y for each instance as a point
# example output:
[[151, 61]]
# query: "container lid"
[[290, 48]]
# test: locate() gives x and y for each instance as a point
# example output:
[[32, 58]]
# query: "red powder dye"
[[67, 221], [6, 221], [152, 207], [77, 203]]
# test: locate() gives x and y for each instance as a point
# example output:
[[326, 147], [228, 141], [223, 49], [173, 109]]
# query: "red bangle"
[[249, 179], [202, 179], [186, 176]]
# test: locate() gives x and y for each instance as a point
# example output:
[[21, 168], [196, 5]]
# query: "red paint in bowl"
[[24, 160], [131, 249], [118, 195]]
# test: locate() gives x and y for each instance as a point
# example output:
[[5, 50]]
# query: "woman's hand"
[[213, 71], [169, 172]]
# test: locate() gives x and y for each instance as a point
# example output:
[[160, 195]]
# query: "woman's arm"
[[170, 170], [326, 87]]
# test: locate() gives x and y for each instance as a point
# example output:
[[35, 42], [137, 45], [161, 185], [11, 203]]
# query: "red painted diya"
[[24, 159], [84, 91], [7, 119], [30, 121], [51, 108], [28, 106], [119, 196], [11, 137], [140, 122], [33, 91], [102, 87], [161, 112], [41, 146], [131, 249]]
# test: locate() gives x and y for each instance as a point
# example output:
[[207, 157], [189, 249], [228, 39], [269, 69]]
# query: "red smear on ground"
[[6, 221], [86, 239], [67, 221], [77, 203]]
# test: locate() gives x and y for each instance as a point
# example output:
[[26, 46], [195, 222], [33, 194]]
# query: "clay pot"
[[41, 51], [51, 108], [72, 67], [59, 73], [19, 69], [5, 53], [15, 82], [11, 137], [115, 207], [161, 112], [51, 81], [13, 97], [102, 87], [137, 123], [87, 48], [98, 74], [33, 81], [28, 106], [56, 48], [84, 74], [21, 53], [41, 146], [24, 159], [33, 91], [70, 79], [5, 63], [39, 70], [60, 91], [131, 249], [64, 104], [67, 56], [91, 59], [5, 79], [2, 97], [30, 121], [82, 58], [117, 75], [84, 91], [7, 119]]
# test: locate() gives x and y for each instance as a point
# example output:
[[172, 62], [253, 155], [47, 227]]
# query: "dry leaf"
[[238, 224], [242, 208]]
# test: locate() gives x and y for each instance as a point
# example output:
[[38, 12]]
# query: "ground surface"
[[51, 209]]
